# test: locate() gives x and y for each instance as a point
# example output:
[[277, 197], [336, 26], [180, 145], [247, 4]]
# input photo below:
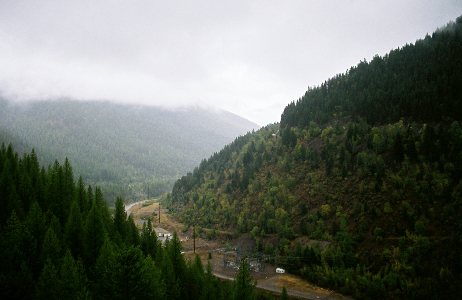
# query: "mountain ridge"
[[369, 163], [108, 142]]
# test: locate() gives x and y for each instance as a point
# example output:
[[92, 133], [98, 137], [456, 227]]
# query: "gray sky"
[[248, 57]]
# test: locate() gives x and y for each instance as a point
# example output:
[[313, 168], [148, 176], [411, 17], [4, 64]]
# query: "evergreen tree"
[[73, 282], [104, 272], [195, 279], [74, 231], [35, 223], [119, 224], [51, 249], [128, 275], [174, 249], [209, 291], [133, 236], [171, 281], [55, 192], [81, 196], [149, 241], [284, 295], [152, 283], [49, 284], [94, 236], [104, 209], [16, 249], [244, 289]]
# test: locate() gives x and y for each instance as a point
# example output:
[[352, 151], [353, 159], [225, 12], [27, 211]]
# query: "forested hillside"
[[58, 240], [359, 188], [123, 149]]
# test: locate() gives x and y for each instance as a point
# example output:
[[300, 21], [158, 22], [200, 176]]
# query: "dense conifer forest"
[[128, 151], [359, 188], [59, 240]]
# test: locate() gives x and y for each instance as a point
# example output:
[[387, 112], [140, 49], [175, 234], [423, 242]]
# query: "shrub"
[[185, 228], [254, 232], [387, 209], [420, 227], [210, 234], [378, 233], [386, 254], [325, 211], [269, 249]]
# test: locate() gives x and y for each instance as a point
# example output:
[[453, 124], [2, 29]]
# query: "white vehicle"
[[280, 271]]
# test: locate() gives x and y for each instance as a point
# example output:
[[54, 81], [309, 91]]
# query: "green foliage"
[[407, 82], [284, 295], [365, 164], [243, 285], [93, 255], [128, 150]]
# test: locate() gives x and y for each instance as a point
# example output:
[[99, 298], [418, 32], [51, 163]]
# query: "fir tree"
[[94, 236], [74, 231], [119, 221], [104, 272], [51, 249], [284, 295], [73, 281], [49, 284], [243, 286]]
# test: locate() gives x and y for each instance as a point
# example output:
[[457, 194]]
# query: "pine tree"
[[16, 249], [94, 236], [195, 279], [244, 289], [171, 282], [133, 236], [152, 283], [174, 252], [119, 221], [49, 284], [284, 295], [209, 291], [51, 249], [149, 241], [73, 281], [74, 231], [104, 272], [104, 209], [81, 195], [35, 223]]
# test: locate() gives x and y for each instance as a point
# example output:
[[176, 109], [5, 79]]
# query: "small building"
[[162, 234]]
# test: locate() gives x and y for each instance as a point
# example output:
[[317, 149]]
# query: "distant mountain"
[[359, 188], [122, 148]]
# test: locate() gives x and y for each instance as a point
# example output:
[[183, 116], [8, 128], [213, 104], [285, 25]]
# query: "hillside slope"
[[348, 168], [122, 148]]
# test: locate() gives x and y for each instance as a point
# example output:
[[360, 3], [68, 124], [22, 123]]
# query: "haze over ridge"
[[249, 57]]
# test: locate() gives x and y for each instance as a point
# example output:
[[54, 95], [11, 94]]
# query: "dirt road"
[[268, 280]]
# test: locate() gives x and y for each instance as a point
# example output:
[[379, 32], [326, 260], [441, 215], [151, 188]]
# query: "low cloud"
[[249, 57]]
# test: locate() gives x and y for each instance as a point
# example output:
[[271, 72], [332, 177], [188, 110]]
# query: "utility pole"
[[159, 212], [194, 235]]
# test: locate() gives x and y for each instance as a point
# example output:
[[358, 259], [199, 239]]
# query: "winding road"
[[127, 207]]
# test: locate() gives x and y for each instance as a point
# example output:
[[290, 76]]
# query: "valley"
[[266, 279], [357, 191]]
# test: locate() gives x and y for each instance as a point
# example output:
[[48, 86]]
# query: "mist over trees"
[[125, 150], [359, 187]]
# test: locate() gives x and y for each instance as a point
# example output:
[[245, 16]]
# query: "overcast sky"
[[248, 57]]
